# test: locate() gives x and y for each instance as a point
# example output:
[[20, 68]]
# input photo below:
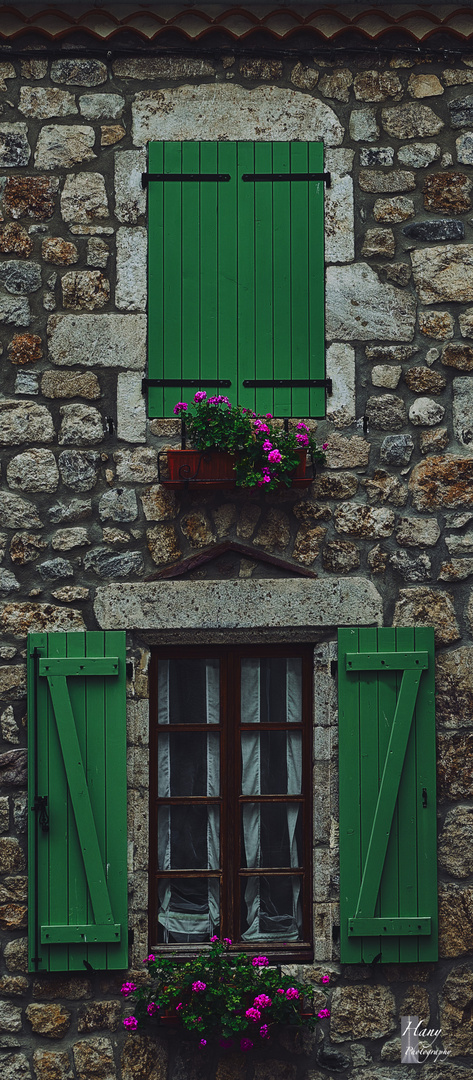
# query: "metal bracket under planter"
[[191, 473]]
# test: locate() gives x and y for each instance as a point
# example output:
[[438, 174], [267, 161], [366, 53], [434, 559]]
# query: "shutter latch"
[[39, 807]]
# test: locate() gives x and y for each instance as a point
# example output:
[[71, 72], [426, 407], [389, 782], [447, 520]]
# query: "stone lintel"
[[267, 605]]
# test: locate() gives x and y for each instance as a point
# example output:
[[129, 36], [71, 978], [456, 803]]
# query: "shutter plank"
[[156, 280], [227, 256], [282, 401], [191, 266], [368, 766], [62, 829], [96, 774], [115, 797], [208, 194], [426, 779], [299, 258], [316, 291], [246, 275], [264, 273], [388, 691], [78, 911], [349, 793], [407, 816], [172, 273]]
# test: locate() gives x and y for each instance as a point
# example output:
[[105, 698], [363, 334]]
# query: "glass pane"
[[188, 909], [271, 834], [188, 691], [188, 837], [271, 690], [188, 763], [271, 909], [271, 762]]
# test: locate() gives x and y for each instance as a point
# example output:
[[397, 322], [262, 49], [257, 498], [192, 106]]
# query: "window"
[[236, 275], [230, 813]]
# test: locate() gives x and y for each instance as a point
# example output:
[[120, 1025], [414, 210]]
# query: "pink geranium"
[[291, 992], [128, 988], [130, 1023], [274, 457], [260, 961], [253, 1014]]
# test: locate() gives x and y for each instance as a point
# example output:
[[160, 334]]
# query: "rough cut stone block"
[[363, 126], [109, 565], [455, 846], [379, 242], [85, 290], [14, 310], [337, 85], [447, 193], [364, 521], [341, 408], [24, 422], [463, 411], [84, 198], [399, 208], [20, 277], [423, 606], [21, 619], [386, 375], [138, 466], [458, 356], [41, 102], [417, 532], [435, 230], [31, 196], [376, 85], [80, 424], [14, 240], [386, 412], [65, 384], [239, 603], [79, 72], [35, 470], [436, 324], [411, 121], [444, 273], [374, 181], [130, 196], [418, 155], [101, 106], [63, 146], [360, 307], [339, 221], [16, 513], [425, 85], [426, 412], [15, 149], [132, 279], [464, 145], [229, 111], [105, 340], [397, 449], [354, 1010], [441, 482]]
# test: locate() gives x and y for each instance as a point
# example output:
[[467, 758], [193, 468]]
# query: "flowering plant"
[[218, 996], [266, 454]]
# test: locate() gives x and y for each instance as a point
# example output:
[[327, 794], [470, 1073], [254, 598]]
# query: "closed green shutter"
[[388, 859], [236, 275], [77, 801]]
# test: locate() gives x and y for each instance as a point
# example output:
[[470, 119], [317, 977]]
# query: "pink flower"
[[325, 979], [131, 1023], [261, 427], [291, 992], [301, 426], [179, 1007], [280, 991], [214, 938], [267, 445], [323, 1013], [263, 1031], [260, 961], [180, 407], [200, 396], [152, 1008], [128, 988], [302, 438], [227, 941], [203, 1042], [274, 456], [198, 986], [262, 1001], [246, 1044], [269, 416], [324, 445], [149, 959], [253, 1014]]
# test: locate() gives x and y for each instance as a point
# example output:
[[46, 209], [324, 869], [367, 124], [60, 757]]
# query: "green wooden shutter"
[[236, 275], [388, 859], [77, 801]]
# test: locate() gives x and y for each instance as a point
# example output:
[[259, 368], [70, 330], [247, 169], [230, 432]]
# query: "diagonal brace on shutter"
[[82, 808], [387, 795]]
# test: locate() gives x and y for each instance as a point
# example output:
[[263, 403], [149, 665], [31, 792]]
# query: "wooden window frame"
[[230, 799]]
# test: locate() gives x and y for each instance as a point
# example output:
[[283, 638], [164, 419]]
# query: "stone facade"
[[386, 526]]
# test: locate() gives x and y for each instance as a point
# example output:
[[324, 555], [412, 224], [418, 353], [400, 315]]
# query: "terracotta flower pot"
[[200, 469]]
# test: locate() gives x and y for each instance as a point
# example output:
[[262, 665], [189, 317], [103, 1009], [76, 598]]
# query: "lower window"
[[230, 782]]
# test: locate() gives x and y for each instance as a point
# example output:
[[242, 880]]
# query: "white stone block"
[[131, 411]]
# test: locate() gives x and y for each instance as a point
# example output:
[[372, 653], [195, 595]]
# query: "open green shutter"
[[77, 801], [236, 275], [388, 858]]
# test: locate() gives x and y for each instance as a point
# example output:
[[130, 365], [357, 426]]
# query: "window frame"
[[230, 798]]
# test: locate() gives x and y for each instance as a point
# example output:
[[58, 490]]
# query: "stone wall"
[[84, 520]]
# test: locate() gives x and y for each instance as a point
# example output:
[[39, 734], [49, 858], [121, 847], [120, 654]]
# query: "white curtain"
[[273, 904], [188, 908]]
